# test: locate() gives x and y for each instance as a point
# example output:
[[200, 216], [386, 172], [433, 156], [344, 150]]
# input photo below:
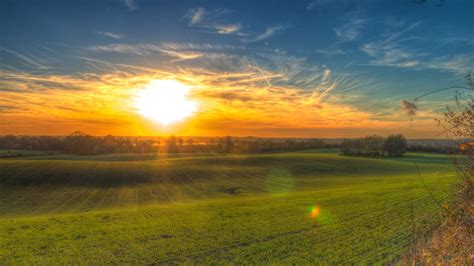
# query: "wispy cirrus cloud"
[[280, 51], [147, 49], [213, 20], [331, 51], [183, 46], [131, 49], [228, 29], [345, 33], [217, 21], [195, 16], [389, 54], [267, 33], [460, 64], [352, 30], [314, 4], [25, 58], [262, 69], [390, 49], [111, 35], [130, 4], [394, 50], [458, 39], [240, 93], [180, 51], [250, 88], [181, 56]]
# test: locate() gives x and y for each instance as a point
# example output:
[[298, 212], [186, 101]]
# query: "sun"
[[165, 101]]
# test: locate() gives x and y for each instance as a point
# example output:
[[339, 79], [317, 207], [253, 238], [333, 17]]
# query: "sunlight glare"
[[165, 101]]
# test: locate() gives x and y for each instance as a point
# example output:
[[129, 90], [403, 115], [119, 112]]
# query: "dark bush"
[[395, 145]]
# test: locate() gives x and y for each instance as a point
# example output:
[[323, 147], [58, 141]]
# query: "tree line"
[[374, 145], [84, 144]]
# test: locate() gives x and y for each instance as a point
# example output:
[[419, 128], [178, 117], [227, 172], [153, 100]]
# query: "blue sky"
[[364, 55]]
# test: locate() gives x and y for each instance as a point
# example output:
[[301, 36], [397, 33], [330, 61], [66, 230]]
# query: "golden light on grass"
[[165, 101]]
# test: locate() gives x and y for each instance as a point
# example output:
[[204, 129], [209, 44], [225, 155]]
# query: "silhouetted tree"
[[84, 144], [172, 144], [395, 145], [79, 143]]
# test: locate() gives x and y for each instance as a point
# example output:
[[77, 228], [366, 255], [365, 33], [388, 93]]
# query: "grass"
[[23, 153], [216, 208]]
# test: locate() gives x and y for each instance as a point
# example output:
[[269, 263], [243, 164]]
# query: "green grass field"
[[216, 208]]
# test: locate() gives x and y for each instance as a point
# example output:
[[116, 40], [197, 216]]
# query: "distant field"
[[216, 208], [23, 153]]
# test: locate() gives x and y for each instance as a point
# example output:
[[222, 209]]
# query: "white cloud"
[[200, 46], [228, 29], [195, 15], [181, 56], [217, 20], [391, 50], [391, 54], [269, 32], [130, 4], [331, 51], [112, 35], [457, 64], [237, 66], [149, 48], [394, 51], [315, 3], [213, 20], [25, 58], [458, 40], [350, 31], [180, 51], [138, 49], [326, 74], [280, 51]]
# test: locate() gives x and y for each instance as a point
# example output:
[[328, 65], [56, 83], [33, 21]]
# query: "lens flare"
[[314, 212]]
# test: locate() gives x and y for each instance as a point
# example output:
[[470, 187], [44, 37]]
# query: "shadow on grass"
[[426, 158]]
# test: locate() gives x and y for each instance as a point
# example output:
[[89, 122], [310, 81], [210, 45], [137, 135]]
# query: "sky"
[[315, 68]]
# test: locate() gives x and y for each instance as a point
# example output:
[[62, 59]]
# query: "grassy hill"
[[216, 208]]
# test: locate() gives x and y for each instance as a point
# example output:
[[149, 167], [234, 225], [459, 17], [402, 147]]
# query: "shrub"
[[395, 145]]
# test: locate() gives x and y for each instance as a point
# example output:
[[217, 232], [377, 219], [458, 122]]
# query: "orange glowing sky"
[[335, 70], [228, 104]]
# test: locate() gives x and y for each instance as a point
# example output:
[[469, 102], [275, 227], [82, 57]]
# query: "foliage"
[[83, 144], [393, 146], [79, 143], [458, 125], [451, 242]]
